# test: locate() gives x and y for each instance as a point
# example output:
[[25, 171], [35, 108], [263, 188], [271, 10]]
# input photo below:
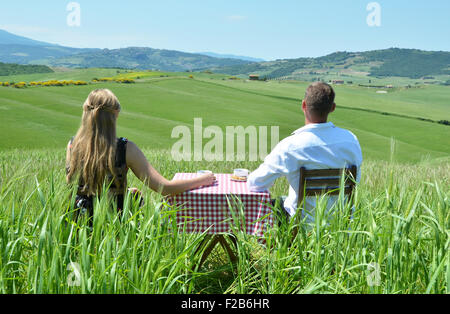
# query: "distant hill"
[[21, 50], [24, 54], [229, 56], [409, 63], [7, 38], [17, 69], [394, 62], [143, 58]]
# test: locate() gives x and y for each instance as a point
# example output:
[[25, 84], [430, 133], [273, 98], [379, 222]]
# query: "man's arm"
[[277, 164]]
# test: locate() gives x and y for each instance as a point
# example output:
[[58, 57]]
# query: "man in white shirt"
[[317, 145]]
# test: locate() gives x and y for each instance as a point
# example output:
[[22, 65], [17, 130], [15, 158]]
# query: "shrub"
[[125, 81], [20, 85]]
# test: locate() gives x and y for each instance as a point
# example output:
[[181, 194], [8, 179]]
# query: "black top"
[[117, 188]]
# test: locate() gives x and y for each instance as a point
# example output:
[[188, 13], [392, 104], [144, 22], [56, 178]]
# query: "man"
[[317, 145]]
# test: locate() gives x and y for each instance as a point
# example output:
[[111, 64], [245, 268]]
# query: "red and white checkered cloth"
[[208, 208]]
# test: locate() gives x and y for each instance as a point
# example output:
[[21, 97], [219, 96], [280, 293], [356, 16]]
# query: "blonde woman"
[[95, 156]]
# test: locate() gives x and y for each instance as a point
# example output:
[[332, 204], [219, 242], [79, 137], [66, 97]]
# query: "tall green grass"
[[397, 241]]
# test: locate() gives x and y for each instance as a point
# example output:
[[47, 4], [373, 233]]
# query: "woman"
[[97, 158]]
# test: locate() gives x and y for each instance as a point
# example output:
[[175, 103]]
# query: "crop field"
[[397, 242]]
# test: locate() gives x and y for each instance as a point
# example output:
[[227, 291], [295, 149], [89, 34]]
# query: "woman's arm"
[[137, 162]]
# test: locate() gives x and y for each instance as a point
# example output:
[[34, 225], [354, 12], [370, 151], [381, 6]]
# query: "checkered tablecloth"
[[210, 208]]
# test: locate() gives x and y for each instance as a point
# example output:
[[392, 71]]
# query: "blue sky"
[[258, 28]]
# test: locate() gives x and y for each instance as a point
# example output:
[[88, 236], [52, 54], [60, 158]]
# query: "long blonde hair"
[[93, 149]]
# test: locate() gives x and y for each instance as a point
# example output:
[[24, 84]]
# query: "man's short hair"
[[319, 99]]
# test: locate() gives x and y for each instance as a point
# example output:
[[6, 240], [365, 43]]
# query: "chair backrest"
[[319, 182]]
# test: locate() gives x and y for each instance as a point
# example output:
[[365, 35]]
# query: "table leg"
[[227, 248], [203, 243], [211, 241]]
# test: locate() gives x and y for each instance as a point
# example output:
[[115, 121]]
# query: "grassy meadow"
[[397, 242], [48, 116]]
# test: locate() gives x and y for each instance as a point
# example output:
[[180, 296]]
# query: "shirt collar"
[[314, 126]]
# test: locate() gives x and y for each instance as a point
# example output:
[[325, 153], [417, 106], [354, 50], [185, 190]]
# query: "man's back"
[[315, 146]]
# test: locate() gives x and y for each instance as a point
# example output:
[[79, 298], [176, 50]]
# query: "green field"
[[41, 117], [400, 224]]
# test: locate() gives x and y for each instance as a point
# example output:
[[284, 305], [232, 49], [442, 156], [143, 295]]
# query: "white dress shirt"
[[315, 146]]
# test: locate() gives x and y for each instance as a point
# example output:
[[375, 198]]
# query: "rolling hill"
[[49, 116], [394, 62]]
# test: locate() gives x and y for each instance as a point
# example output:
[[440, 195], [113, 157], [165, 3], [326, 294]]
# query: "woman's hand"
[[207, 179]]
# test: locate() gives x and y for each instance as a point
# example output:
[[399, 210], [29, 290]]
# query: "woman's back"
[[117, 185], [96, 157]]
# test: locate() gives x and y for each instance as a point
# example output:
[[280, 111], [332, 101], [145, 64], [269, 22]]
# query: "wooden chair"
[[319, 182], [323, 181]]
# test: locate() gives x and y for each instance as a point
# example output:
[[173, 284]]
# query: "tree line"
[[7, 69]]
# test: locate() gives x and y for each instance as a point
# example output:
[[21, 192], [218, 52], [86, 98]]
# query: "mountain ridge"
[[230, 56], [142, 58], [392, 62], [7, 38], [22, 50]]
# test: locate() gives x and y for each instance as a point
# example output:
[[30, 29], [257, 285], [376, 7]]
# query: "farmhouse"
[[338, 82], [254, 77]]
